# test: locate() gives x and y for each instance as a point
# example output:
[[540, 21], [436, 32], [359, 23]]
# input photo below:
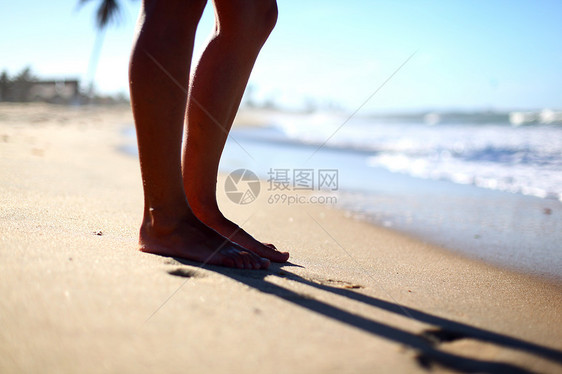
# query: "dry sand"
[[76, 295]]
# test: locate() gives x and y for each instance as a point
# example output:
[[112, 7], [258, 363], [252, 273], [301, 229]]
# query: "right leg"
[[217, 85], [158, 76]]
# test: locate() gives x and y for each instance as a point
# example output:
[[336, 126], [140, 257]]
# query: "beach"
[[77, 296]]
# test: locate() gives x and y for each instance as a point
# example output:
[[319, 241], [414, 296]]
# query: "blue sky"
[[470, 54]]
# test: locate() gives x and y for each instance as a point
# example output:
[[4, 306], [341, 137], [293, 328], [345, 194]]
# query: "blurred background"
[[484, 55]]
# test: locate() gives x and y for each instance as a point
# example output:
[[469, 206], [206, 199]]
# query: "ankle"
[[208, 213], [212, 219], [165, 219]]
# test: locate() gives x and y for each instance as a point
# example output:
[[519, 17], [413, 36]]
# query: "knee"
[[194, 7], [252, 20], [266, 17]]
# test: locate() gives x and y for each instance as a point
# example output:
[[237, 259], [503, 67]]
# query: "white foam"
[[522, 159]]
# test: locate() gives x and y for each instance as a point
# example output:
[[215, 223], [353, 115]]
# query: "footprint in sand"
[[336, 283], [184, 273]]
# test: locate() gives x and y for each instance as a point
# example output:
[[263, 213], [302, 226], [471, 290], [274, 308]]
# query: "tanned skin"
[[181, 214]]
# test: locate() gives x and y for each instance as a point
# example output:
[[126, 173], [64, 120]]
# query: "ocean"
[[497, 151]]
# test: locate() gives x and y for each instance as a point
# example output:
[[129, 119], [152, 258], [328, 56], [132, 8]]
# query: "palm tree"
[[108, 12]]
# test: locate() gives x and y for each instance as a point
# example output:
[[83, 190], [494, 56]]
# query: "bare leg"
[[165, 42], [215, 93]]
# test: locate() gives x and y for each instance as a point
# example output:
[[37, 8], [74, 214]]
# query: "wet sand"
[[76, 295]]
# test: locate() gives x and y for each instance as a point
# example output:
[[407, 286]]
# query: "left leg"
[[217, 86]]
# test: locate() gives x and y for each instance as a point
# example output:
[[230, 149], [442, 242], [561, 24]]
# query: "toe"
[[238, 260], [277, 256], [249, 262]]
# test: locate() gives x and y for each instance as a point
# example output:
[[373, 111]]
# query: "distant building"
[[25, 88], [54, 91]]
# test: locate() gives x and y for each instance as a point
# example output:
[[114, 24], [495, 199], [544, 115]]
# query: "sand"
[[77, 296]]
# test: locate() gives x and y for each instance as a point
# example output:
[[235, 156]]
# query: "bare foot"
[[233, 232], [191, 239]]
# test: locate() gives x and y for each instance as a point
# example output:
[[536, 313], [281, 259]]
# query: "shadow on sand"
[[426, 344]]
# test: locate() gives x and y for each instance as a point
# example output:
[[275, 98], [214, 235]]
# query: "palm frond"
[[108, 11]]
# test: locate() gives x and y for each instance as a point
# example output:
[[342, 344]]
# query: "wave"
[[495, 155]]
